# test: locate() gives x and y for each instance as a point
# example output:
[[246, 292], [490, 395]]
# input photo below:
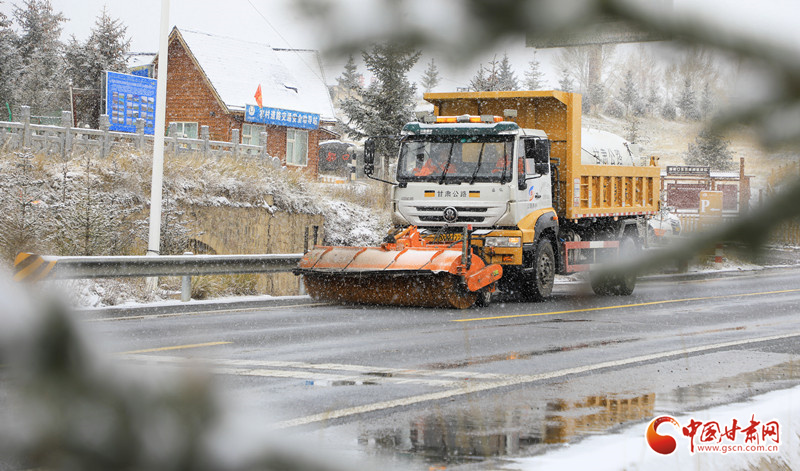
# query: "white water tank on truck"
[[604, 148]]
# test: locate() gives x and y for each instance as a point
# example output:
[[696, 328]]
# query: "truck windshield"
[[454, 159]]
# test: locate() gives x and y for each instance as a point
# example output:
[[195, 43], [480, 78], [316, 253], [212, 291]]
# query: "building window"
[[251, 134], [186, 129], [296, 147]]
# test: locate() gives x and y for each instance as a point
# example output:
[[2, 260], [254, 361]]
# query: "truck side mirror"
[[369, 157], [539, 151]]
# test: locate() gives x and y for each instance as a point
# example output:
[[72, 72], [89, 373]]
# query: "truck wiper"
[[447, 165], [505, 166], [477, 167]]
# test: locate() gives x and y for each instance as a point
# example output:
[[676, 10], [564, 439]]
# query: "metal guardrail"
[[32, 267]]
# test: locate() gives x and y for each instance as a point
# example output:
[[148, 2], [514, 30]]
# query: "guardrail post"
[[25, 115], [235, 141], [140, 133], [104, 125], [186, 285], [262, 140], [66, 122], [205, 136]]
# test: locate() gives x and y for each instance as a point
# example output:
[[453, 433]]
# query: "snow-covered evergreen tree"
[[22, 225], [628, 94], [687, 101], [388, 103], [653, 105], [86, 63], [668, 110], [507, 79], [487, 79], [706, 101], [710, 149], [430, 78], [350, 80], [41, 85], [565, 83], [534, 77], [10, 65]]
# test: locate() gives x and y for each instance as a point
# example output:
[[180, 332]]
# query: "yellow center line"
[[175, 347], [620, 306]]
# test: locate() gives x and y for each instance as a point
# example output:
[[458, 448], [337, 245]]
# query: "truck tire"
[[617, 285], [539, 282], [484, 298]]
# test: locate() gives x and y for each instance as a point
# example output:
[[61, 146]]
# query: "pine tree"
[[430, 78], [706, 101], [506, 77], [595, 99], [22, 225], [105, 49], [350, 80], [687, 102], [487, 79], [534, 77], [388, 103], [632, 128], [711, 150], [41, 84], [668, 111], [565, 84], [10, 65], [628, 94], [653, 102]]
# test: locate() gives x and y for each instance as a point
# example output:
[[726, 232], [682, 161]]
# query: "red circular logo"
[[663, 444]]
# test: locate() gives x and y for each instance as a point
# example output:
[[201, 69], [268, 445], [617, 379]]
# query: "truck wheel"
[[484, 298], [617, 285], [540, 280]]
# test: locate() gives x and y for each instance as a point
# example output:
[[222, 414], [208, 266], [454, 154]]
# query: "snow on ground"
[[628, 449]]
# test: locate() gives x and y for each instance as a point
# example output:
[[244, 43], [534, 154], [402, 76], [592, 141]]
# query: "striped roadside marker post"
[[31, 267]]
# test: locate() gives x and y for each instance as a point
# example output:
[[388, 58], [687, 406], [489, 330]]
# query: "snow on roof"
[[138, 59], [290, 79]]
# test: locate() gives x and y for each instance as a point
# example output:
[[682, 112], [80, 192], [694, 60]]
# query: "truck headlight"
[[503, 242]]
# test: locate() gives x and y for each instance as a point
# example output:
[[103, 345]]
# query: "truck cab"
[[487, 173]]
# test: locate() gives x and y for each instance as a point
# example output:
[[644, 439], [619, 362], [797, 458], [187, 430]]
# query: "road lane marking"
[[310, 371], [175, 347], [200, 313], [621, 306], [472, 387]]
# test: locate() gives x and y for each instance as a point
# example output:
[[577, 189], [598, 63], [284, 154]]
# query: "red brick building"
[[212, 79]]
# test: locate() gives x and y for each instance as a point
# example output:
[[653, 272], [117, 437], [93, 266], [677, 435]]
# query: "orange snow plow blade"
[[408, 272]]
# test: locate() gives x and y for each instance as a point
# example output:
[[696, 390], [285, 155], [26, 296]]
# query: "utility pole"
[[154, 239]]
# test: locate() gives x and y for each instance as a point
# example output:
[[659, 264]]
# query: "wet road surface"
[[428, 388]]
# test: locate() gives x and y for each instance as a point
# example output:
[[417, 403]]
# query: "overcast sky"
[[276, 22]]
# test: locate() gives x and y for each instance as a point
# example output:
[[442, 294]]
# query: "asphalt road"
[[432, 387]]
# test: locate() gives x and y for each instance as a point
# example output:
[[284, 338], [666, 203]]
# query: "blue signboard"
[[279, 117], [128, 98]]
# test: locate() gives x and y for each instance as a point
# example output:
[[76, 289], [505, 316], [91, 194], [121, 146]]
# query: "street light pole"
[[154, 239]]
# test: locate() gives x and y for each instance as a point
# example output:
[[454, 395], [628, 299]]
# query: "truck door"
[[534, 174]]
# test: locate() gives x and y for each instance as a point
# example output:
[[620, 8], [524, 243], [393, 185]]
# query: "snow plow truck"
[[496, 190]]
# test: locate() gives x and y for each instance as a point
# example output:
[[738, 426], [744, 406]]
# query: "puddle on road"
[[517, 424], [475, 434]]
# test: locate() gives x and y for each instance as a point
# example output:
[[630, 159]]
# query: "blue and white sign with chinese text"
[[279, 117], [129, 97]]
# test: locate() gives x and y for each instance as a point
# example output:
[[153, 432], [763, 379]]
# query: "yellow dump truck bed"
[[583, 190]]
